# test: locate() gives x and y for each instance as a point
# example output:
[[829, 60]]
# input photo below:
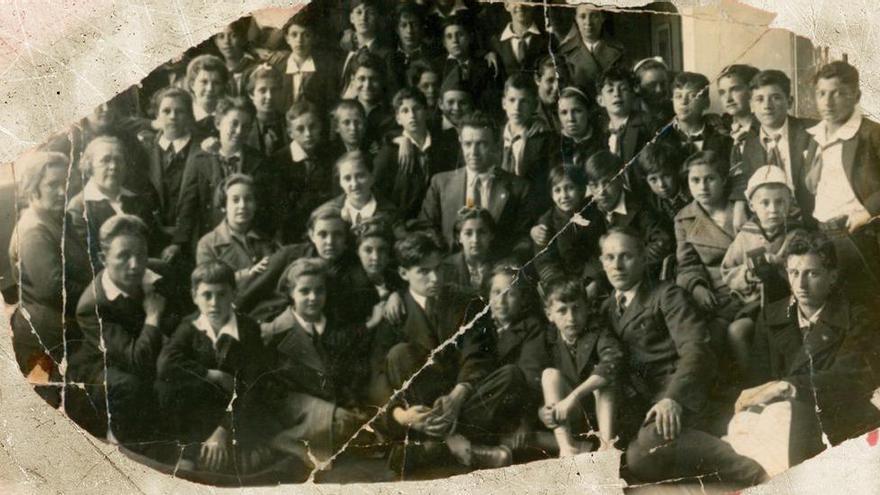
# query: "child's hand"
[[415, 417], [406, 156], [492, 60], [705, 298], [259, 267], [564, 409], [377, 315], [211, 145], [857, 220], [667, 418], [215, 450], [154, 306], [547, 416], [394, 309], [540, 234]]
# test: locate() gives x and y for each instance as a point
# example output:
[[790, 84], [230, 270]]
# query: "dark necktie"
[[508, 162], [772, 155], [621, 304], [231, 165]]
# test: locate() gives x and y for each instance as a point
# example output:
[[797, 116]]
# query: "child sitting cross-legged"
[[212, 380]]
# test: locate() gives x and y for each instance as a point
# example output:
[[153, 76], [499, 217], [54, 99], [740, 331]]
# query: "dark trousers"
[[858, 257], [495, 407], [694, 452]]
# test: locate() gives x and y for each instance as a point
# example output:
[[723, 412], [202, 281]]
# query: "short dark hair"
[[305, 19], [692, 79], [230, 103], [212, 272], [630, 232], [410, 9], [616, 73], [561, 172], [417, 68], [119, 225], [324, 212], [744, 72], [521, 82], [479, 120], [346, 104], [85, 160], [563, 289], [847, 74], [300, 108], [367, 60], [171, 92], [353, 156], [813, 243], [376, 226], [601, 164], [710, 158], [232, 180], [658, 157], [473, 213], [772, 77], [409, 93], [415, 247]]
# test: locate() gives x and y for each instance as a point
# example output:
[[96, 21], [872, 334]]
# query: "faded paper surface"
[[62, 58]]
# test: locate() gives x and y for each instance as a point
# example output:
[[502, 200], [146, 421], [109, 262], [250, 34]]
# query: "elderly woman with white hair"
[[50, 267], [105, 165]]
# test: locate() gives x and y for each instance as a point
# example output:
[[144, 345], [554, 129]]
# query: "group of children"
[[498, 240]]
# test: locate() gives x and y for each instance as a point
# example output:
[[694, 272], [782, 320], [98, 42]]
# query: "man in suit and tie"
[[585, 52], [818, 351], [480, 183], [844, 178], [779, 139], [670, 368], [457, 398]]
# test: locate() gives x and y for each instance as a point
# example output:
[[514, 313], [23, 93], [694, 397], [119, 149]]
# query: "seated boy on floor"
[[212, 385], [320, 365], [580, 359], [457, 398]]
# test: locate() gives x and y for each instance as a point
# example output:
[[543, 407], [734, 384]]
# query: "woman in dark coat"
[[51, 269]]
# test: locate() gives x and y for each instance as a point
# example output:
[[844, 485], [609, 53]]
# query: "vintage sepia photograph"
[[364, 241]]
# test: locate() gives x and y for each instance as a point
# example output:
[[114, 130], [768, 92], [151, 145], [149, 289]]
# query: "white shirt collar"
[[782, 132], [591, 45], [509, 136], [803, 321], [319, 325], [677, 126], [845, 132], [629, 294], [92, 193], [178, 143], [508, 32], [459, 6], [422, 301], [485, 176], [620, 209], [423, 148], [447, 124], [294, 68], [366, 212], [297, 152], [229, 328], [112, 291]]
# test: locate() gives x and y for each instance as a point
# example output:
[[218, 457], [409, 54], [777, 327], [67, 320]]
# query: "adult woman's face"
[[49, 196], [108, 167]]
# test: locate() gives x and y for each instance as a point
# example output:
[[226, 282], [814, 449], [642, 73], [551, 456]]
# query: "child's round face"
[[455, 105], [306, 131], [328, 237], [476, 239], [369, 85], [567, 196], [770, 105], [265, 95], [215, 302], [409, 31], [234, 126], [229, 43], [589, 22], [241, 206], [706, 185], [771, 204], [457, 41], [663, 184], [734, 95], [506, 302], [108, 167], [363, 18], [207, 88], [569, 317], [356, 180], [429, 85], [548, 86], [606, 191], [689, 103], [574, 118], [654, 86], [174, 117], [835, 100], [518, 105], [350, 126], [309, 296], [617, 98], [411, 116], [375, 255], [299, 39]]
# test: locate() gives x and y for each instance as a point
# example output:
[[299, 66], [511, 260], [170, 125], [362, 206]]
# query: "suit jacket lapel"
[[585, 349], [850, 146], [298, 345], [634, 308], [457, 189], [706, 232], [499, 196], [418, 327], [630, 140], [824, 335], [157, 162]]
